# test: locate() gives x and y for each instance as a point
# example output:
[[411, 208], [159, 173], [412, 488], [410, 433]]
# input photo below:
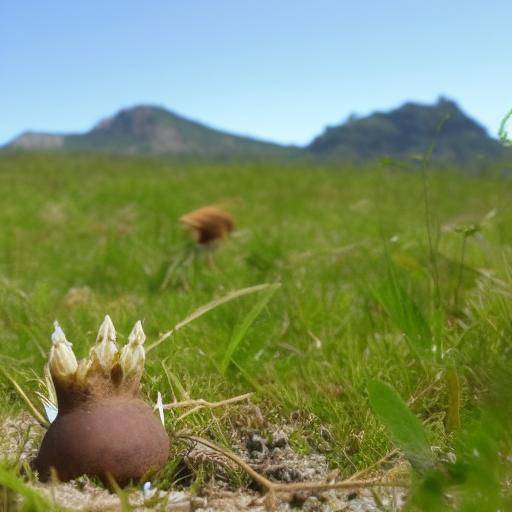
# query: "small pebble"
[[279, 439], [277, 453], [256, 443], [312, 504]]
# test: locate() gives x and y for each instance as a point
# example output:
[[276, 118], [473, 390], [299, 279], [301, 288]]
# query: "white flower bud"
[[83, 369], [105, 348], [132, 355], [62, 358]]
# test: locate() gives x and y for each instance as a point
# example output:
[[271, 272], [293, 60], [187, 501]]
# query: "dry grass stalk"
[[199, 404], [34, 411], [208, 307], [272, 488]]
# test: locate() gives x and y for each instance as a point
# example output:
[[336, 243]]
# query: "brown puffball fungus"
[[102, 428], [209, 224]]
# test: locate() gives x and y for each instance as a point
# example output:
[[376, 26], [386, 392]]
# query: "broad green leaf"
[[403, 427]]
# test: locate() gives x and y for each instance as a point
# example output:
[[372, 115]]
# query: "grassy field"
[[385, 274]]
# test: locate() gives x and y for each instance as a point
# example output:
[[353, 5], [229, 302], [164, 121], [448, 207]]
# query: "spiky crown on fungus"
[[105, 372]]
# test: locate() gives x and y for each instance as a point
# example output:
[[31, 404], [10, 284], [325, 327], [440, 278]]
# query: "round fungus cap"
[[102, 429]]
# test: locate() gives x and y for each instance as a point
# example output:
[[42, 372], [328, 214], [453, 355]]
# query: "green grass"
[[363, 296]]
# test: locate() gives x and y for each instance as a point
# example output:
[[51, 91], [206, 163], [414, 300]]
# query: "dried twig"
[[273, 487], [375, 465], [199, 404]]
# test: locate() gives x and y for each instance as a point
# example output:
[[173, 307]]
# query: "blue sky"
[[278, 70]]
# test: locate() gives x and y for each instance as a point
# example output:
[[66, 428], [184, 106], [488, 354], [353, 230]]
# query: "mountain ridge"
[[409, 131], [404, 132], [149, 129]]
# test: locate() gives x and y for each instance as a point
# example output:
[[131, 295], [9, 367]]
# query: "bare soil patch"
[[271, 456]]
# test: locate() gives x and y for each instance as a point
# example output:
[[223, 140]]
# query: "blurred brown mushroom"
[[208, 224]]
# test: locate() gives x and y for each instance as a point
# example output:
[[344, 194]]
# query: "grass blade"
[[404, 428], [208, 307], [243, 327], [34, 411], [453, 411], [32, 501], [405, 314]]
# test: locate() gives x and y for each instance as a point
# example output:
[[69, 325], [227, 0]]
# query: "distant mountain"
[[150, 130], [406, 132]]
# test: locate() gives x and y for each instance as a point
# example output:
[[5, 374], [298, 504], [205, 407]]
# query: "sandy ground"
[[274, 458]]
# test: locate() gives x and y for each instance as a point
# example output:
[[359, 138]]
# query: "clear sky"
[[276, 69]]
